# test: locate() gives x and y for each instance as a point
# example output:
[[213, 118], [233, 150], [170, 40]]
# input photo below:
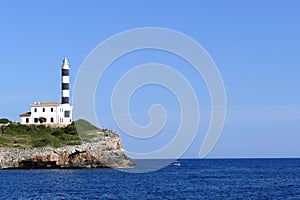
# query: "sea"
[[193, 179]]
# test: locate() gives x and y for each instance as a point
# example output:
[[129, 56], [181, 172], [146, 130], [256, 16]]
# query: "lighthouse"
[[52, 113], [65, 86]]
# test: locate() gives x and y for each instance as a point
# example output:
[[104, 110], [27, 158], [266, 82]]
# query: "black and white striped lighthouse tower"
[[65, 87]]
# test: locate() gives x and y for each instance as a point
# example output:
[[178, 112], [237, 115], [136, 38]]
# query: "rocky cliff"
[[103, 150]]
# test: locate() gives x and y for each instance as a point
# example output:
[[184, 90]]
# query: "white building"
[[52, 112]]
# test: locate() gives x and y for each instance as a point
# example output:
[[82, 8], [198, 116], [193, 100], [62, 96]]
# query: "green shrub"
[[71, 129], [4, 121], [74, 143], [41, 143], [57, 133], [32, 129]]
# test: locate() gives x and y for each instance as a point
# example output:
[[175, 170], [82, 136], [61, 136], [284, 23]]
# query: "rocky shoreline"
[[103, 151]]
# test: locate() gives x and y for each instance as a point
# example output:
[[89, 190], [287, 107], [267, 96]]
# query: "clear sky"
[[255, 44]]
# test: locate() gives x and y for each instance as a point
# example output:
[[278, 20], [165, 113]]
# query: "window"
[[27, 120], [52, 120], [43, 109], [35, 110], [52, 109], [67, 113], [36, 120]]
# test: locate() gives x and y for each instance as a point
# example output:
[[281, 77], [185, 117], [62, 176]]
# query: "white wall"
[[47, 114], [58, 114]]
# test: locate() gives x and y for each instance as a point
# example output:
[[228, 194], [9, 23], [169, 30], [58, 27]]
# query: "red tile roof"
[[28, 114]]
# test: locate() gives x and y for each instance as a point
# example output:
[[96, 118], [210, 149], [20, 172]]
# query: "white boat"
[[177, 163]]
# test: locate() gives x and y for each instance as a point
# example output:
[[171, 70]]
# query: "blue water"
[[194, 179]]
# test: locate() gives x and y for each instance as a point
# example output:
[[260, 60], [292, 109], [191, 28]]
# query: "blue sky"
[[255, 45]]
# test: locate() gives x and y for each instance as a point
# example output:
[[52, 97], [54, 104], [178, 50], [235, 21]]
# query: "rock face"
[[104, 151]]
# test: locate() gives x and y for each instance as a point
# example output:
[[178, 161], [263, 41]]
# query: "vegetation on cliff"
[[28, 136]]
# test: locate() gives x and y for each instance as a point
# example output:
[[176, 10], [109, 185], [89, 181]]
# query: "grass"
[[86, 130], [24, 136]]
